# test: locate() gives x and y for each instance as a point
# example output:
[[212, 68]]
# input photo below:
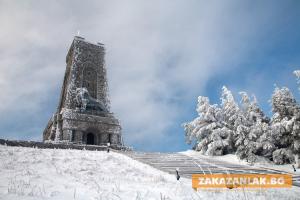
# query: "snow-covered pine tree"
[[249, 129], [231, 117], [220, 130], [242, 125], [297, 74], [259, 130], [296, 127], [243, 144], [230, 109], [284, 125], [222, 137], [212, 134], [201, 128]]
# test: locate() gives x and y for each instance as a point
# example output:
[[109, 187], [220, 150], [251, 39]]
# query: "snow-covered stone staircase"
[[199, 164]]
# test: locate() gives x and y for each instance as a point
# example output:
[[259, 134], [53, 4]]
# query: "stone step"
[[168, 162]]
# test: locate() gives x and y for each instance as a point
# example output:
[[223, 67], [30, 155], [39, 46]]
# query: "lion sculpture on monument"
[[86, 102]]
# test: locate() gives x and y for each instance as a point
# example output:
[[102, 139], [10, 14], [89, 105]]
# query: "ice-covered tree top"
[[283, 102]]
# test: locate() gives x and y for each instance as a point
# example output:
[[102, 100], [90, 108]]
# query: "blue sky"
[[160, 56]]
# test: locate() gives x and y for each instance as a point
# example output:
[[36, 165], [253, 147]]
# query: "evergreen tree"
[[249, 130], [202, 127], [212, 134], [230, 109], [296, 127], [284, 125], [245, 129]]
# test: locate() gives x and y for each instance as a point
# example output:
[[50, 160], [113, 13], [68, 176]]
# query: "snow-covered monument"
[[83, 114]]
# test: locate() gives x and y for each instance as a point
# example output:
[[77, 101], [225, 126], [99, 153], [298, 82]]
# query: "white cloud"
[[159, 53]]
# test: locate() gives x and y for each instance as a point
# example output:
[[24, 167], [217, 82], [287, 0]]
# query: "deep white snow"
[[28, 173]]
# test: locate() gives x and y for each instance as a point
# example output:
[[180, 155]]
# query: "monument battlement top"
[[82, 39]]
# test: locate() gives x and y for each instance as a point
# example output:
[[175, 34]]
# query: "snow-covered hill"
[[28, 173]]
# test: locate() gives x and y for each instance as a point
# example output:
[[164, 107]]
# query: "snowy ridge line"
[[42, 145]]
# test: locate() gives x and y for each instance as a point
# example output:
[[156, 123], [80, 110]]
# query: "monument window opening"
[[90, 138], [73, 136], [109, 138]]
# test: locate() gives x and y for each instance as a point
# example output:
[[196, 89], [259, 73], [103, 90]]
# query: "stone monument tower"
[[83, 114]]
